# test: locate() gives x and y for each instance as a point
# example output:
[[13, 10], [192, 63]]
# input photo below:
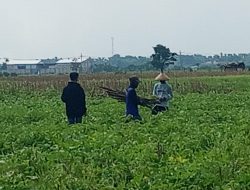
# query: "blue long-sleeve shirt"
[[132, 102]]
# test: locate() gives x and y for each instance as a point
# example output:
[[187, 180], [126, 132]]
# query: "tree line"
[[119, 63]]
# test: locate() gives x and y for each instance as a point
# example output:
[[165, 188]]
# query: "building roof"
[[72, 60], [49, 61], [20, 61], [42, 61]]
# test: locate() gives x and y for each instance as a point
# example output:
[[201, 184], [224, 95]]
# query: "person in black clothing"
[[132, 100], [74, 97]]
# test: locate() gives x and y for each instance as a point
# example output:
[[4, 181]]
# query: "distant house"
[[72, 64], [45, 66], [193, 68], [21, 66]]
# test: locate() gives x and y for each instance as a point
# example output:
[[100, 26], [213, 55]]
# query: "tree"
[[4, 66], [162, 57]]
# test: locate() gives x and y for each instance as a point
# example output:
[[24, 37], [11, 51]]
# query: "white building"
[[21, 66], [68, 65], [45, 66]]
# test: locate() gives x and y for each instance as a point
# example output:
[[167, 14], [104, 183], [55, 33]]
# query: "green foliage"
[[162, 57], [117, 63], [6, 74], [202, 142], [4, 66], [13, 74]]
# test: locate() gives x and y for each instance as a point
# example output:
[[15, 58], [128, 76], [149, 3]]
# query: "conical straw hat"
[[162, 76]]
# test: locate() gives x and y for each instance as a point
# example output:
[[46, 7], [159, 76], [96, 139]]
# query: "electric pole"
[[112, 46], [81, 57], [180, 61], [80, 69]]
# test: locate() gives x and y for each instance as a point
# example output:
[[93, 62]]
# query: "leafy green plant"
[[202, 142]]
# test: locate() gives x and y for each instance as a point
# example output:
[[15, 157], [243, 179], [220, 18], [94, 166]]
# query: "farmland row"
[[181, 85]]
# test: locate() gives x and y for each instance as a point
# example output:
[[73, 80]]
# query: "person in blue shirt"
[[132, 100]]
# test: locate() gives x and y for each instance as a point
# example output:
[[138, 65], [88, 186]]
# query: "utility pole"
[[81, 57], [80, 69], [112, 46], [180, 61]]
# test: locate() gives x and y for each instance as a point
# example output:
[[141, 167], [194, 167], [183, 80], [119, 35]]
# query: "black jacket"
[[74, 97]]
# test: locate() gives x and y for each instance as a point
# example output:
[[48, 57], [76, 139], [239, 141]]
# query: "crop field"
[[202, 142]]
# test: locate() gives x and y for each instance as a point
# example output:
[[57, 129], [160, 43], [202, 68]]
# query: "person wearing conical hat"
[[163, 92]]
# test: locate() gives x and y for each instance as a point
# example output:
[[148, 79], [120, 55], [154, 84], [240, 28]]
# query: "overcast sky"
[[67, 28]]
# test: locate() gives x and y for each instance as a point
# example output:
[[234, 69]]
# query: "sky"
[[69, 28]]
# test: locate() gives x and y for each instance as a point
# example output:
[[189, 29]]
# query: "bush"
[[13, 74], [6, 74]]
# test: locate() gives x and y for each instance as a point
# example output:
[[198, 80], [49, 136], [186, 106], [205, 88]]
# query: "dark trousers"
[[134, 117], [158, 108], [73, 120], [137, 117]]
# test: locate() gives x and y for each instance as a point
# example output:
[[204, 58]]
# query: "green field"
[[203, 142]]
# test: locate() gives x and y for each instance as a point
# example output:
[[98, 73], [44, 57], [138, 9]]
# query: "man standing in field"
[[132, 100], [74, 97], [163, 92]]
